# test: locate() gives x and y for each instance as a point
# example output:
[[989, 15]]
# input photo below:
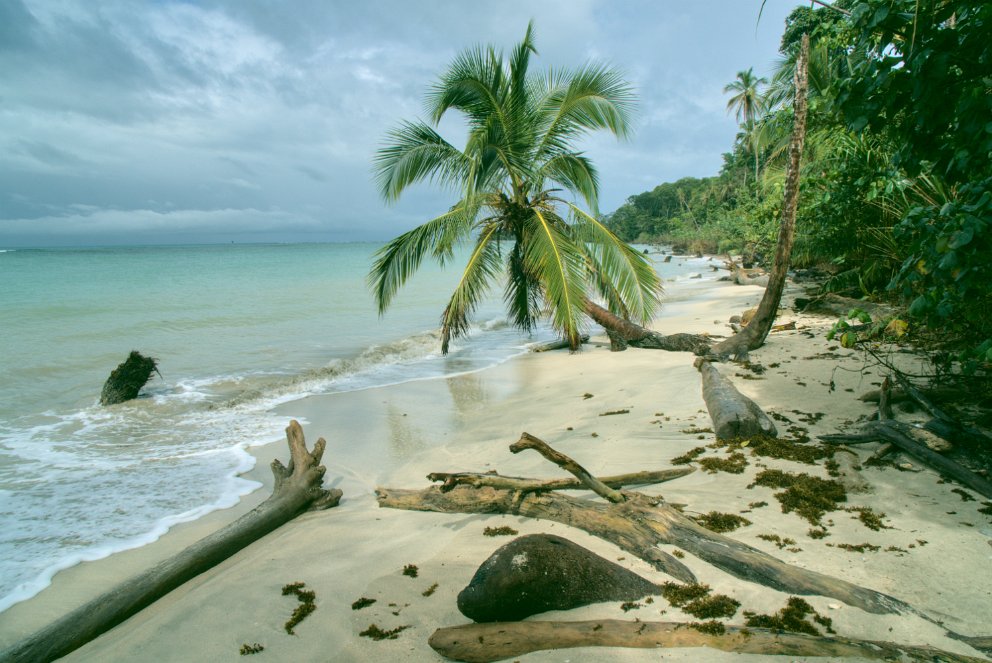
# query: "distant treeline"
[[896, 181]]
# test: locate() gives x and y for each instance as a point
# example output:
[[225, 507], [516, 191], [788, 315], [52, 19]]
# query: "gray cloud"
[[165, 121]]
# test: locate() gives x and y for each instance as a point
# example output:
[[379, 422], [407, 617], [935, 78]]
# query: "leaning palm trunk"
[[753, 336], [624, 332]]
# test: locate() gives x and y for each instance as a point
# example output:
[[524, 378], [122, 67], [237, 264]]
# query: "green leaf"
[[961, 238]]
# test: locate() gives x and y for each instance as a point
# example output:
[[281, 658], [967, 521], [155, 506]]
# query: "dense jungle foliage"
[[896, 195]]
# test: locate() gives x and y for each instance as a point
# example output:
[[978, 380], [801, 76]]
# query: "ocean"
[[237, 329]]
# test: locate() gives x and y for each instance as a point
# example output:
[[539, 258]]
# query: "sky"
[[175, 122]]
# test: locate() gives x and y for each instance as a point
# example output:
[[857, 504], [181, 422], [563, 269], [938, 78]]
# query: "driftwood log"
[[834, 304], [902, 436], [753, 336], [639, 523], [624, 332], [733, 414], [297, 489], [560, 344], [482, 643]]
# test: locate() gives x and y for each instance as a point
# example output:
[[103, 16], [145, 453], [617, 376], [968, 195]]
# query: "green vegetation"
[[519, 155], [791, 618], [896, 197], [809, 497]]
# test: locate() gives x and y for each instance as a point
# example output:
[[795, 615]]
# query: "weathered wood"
[[754, 335], [297, 489], [450, 480], [528, 441], [848, 465], [482, 643], [560, 344], [733, 414], [639, 525], [901, 435], [626, 332]]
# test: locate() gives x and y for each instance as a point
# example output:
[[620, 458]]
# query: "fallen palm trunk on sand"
[[637, 523], [624, 332], [733, 414], [297, 489], [481, 643]]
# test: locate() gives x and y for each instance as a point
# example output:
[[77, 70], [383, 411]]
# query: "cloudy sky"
[[234, 120]]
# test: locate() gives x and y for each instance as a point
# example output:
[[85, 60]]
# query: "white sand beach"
[[940, 561]]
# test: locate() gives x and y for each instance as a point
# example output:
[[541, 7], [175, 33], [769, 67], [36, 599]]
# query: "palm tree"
[[513, 175], [746, 104]]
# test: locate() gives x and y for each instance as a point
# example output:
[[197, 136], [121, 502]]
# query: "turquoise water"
[[237, 329]]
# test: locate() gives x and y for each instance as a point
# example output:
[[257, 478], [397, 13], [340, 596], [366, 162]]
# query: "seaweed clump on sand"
[[128, 378], [695, 600], [411, 570], [376, 633], [499, 531], [247, 650], [809, 497], [688, 456], [363, 602], [798, 450], [869, 518], [306, 606], [791, 618], [721, 522], [732, 464]]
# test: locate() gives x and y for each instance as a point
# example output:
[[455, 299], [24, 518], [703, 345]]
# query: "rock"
[[127, 379], [542, 572], [695, 275], [667, 259]]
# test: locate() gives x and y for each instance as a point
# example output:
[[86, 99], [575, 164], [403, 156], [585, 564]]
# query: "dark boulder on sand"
[[126, 380], [542, 572]]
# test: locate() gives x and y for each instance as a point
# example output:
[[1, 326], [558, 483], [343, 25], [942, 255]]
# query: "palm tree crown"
[[517, 161], [746, 102]]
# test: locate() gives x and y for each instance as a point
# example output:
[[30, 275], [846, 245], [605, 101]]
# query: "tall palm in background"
[[747, 105], [518, 163]]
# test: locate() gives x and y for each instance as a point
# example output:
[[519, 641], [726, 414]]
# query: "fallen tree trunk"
[[624, 332], [493, 480], [297, 489], [734, 415], [560, 344], [901, 435], [753, 336], [833, 304], [482, 643], [639, 524]]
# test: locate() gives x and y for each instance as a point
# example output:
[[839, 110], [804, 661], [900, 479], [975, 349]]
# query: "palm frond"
[[595, 97], [482, 268], [416, 152], [399, 259], [552, 256], [628, 282], [576, 173]]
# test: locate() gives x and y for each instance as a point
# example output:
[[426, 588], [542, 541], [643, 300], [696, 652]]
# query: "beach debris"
[[128, 378], [297, 488], [307, 604], [808, 496], [411, 570], [254, 648], [495, 642], [612, 412], [734, 415], [504, 530], [376, 633], [430, 590], [639, 524], [541, 572], [361, 603]]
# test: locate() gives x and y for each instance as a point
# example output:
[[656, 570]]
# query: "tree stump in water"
[[128, 378]]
